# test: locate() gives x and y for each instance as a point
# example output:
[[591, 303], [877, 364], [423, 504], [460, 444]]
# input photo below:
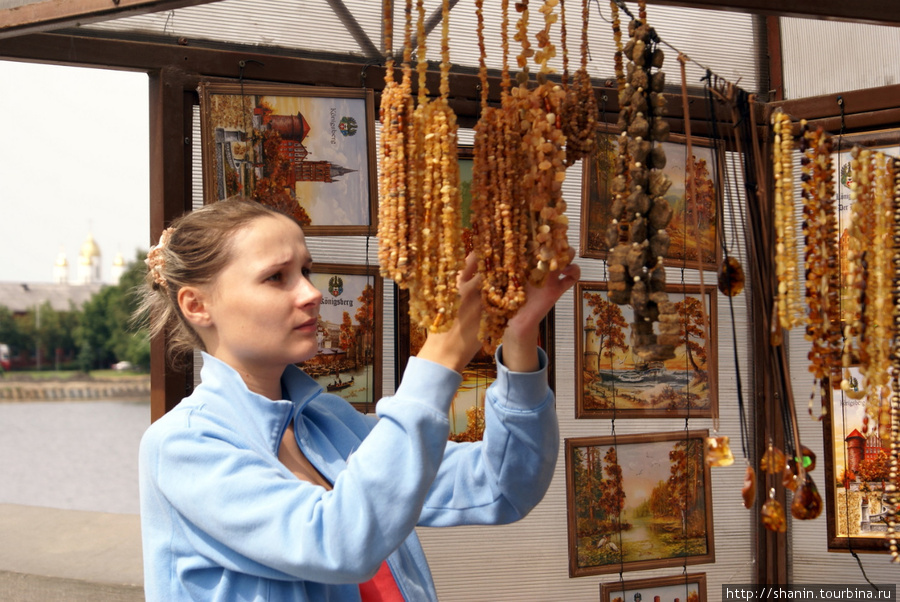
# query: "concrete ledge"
[[48, 554]]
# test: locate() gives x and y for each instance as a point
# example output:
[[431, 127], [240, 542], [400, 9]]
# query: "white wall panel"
[[825, 57]]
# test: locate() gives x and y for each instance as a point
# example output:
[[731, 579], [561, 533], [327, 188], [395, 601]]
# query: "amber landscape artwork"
[[638, 501], [615, 382]]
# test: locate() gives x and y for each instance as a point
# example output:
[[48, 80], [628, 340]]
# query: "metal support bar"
[[349, 21]]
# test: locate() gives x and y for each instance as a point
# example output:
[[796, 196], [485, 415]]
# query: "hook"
[[243, 63], [362, 74], [840, 101]]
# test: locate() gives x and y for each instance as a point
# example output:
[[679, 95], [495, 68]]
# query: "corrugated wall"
[[825, 57]]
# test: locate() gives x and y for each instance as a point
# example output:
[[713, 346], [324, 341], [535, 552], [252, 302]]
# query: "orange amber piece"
[[789, 477], [718, 451], [748, 491], [731, 277], [773, 461], [772, 516], [807, 503]]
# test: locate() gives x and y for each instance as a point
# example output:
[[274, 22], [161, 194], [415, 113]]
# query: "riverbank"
[[17, 389]]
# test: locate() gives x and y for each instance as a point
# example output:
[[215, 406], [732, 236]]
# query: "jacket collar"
[[229, 394]]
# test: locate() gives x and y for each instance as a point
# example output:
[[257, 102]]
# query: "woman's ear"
[[193, 304]]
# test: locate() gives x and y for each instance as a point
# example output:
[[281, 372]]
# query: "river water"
[[76, 455]]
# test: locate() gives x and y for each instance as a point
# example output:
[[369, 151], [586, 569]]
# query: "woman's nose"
[[307, 294]]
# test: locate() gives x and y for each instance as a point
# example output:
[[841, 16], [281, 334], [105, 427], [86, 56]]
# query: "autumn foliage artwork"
[[693, 217], [613, 381], [638, 502]]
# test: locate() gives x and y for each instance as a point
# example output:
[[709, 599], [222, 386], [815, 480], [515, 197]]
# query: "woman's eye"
[[276, 277], [307, 272]]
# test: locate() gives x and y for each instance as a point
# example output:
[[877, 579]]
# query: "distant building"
[[22, 297], [89, 262]]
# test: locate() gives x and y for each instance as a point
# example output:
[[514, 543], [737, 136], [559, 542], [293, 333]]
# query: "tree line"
[[94, 336]]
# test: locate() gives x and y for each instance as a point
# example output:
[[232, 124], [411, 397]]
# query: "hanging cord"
[[714, 131]]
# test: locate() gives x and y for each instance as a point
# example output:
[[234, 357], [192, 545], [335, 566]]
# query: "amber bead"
[[807, 503]]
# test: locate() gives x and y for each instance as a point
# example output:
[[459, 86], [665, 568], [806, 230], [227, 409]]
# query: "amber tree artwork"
[[694, 217], [467, 408], [638, 502], [613, 381]]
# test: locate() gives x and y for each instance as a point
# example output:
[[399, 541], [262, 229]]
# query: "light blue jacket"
[[223, 519]]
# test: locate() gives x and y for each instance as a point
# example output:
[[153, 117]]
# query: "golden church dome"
[[89, 248]]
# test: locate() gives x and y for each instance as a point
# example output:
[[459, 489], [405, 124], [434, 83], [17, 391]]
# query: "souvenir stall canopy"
[[731, 66]]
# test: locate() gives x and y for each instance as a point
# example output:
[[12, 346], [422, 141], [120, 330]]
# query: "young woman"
[[260, 486]]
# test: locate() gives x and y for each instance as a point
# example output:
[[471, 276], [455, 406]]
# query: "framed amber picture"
[[857, 469], [683, 588], [306, 150], [613, 381], [348, 360], [638, 502], [467, 408], [694, 220]]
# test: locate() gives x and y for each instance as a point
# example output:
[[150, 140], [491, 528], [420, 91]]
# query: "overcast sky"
[[74, 161]]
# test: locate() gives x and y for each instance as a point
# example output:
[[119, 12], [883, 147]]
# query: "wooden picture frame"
[[596, 199], [638, 502], [612, 381], [306, 150], [468, 405], [348, 362], [683, 588], [857, 469]]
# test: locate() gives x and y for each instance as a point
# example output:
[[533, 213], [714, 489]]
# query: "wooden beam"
[[878, 12], [44, 15]]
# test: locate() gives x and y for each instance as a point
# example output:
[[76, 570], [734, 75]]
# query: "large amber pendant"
[[807, 503], [718, 451], [773, 461], [748, 491], [731, 277], [772, 514]]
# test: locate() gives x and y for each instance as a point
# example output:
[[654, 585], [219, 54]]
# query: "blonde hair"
[[197, 249]]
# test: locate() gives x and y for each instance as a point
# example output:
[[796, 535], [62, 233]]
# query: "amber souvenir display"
[[773, 461], [731, 277], [637, 236], [772, 514], [786, 269], [807, 503], [822, 263], [718, 451], [748, 491]]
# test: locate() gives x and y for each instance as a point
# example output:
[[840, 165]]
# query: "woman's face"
[[263, 308]]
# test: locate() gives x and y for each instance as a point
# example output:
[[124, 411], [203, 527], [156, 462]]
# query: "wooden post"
[[171, 101]]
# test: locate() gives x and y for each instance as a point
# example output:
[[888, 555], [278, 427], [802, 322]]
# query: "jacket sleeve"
[[240, 510], [501, 478]]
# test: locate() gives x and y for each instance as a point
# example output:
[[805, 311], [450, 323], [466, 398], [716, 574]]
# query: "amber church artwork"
[[857, 471], [304, 151]]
